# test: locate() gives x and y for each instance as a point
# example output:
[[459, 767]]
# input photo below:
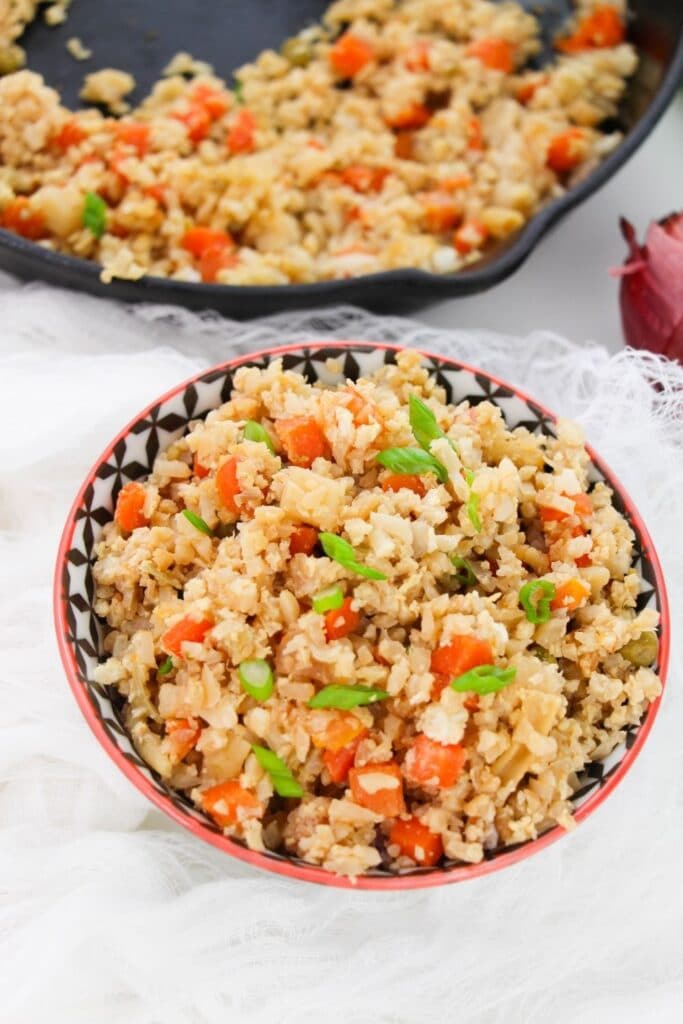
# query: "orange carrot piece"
[[199, 470], [411, 117], [130, 133], [302, 439], [601, 29], [431, 763], [70, 134], [463, 653], [130, 502], [417, 56], [199, 239], [214, 102], [196, 119], [441, 212], [340, 729], [455, 182], [228, 802], [350, 54], [241, 133], [228, 486], [567, 150], [583, 506], [186, 629], [403, 147], [379, 787], [182, 735], [363, 178], [528, 87], [470, 236], [570, 595], [19, 217], [404, 481], [303, 540], [339, 762], [493, 52], [415, 840], [341, 621], [214, 259]]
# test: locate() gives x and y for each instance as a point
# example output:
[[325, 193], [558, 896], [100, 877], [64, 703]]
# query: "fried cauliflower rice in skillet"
[[364, 627], [394, 134]]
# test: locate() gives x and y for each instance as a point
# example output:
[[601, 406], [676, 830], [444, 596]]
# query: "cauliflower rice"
[[214, 564], [394, 134]]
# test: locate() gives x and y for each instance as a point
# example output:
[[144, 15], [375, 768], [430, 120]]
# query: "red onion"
[[651, 294]]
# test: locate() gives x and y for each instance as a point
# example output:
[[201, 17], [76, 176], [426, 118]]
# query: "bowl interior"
[[131, 456]]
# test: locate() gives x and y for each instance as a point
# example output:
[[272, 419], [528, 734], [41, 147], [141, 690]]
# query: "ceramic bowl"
[[130, 456]]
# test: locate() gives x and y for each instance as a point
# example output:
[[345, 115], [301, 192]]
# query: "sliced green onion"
[[346, 697], [253, 431], [472, 502], [328, 600], [283, 781], [238, 91], [423, 423], [412, 460], [256, 677], [484, 679], [166, 667], [465, 575], [535, 597], [94, 216], [341, 551], [197, 522]]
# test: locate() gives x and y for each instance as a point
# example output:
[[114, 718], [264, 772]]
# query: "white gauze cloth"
[[110, 913]]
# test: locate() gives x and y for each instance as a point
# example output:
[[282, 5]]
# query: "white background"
[[111, 915]]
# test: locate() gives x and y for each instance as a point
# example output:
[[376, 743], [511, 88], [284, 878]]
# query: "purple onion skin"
[[651, 314]]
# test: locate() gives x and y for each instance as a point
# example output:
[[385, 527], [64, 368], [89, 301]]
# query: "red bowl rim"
[[312, 873]]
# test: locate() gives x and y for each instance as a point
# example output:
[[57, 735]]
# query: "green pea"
[[642, 651], [297, 51]]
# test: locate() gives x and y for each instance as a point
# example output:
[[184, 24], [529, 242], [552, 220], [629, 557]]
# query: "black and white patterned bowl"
[[131, 455]]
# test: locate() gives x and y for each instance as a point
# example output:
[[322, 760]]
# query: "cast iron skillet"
[[142, 35]]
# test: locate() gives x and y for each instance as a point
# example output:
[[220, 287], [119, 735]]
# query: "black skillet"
[[142, 35]]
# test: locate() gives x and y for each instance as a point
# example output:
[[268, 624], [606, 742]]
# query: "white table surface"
[[564, 285]]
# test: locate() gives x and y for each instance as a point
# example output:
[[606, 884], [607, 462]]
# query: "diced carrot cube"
[[379, 787], [186, 630], [181, 737], [462, 654], [336, 729], [404, 481], [229, 803], [302, 439], [303, 540], [441, 212], [130, 503], [415, 840], [19, 217], [228, 485], [341, 621], [431, 763], [493, 52], [410, 117], [241, 133], [570, 595], [567, 150], [196, 119], [350, 54]]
